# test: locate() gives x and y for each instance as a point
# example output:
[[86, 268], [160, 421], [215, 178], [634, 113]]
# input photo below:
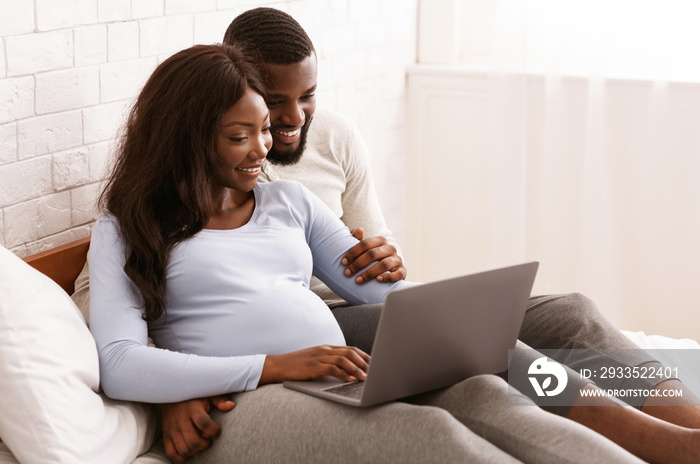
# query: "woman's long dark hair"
[[161, 188]]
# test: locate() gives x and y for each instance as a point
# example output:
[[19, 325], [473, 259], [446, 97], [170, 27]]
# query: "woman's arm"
[[129, 368], [329, 240]]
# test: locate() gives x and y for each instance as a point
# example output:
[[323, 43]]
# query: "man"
[[324, 152]]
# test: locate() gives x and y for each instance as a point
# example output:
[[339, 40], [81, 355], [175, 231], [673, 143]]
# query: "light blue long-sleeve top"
[[232, 296]]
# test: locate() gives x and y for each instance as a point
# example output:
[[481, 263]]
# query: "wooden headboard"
[[63, 263]]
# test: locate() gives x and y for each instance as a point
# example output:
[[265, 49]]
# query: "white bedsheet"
[[665, 349], [659, 341]]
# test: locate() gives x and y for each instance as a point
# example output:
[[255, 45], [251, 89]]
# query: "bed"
[[55, 349]]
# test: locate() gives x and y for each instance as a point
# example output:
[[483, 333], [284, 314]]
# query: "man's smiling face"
[[291, 99]]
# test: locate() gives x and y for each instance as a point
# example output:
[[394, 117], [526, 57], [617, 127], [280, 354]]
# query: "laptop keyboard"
[[350, 390]]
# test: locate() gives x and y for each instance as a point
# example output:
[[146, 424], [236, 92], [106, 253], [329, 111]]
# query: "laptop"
[[434, 335]]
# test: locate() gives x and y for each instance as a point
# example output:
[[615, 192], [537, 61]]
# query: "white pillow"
[[49, 378]]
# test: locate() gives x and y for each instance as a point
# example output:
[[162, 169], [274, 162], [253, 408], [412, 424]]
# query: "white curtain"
[[595, 153]]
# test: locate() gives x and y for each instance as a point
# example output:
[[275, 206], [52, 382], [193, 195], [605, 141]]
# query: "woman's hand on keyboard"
[[344, 362]]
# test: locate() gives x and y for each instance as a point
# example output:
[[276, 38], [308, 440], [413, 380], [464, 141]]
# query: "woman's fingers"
[[347, 366], [344, 362], [349, 361]]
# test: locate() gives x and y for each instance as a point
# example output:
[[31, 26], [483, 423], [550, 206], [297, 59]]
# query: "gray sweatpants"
[[470, 422]]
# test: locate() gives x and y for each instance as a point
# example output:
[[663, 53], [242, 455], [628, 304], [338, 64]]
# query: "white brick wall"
[[70, 169], [34, 219], [8, 143], [113, 10], [123, 41], [166, 34], [52, 14], [123, 79], [25, 180], [145, 8], [2, 62], [66, 90], [99, 157], [46, 134], [16, 98], [90, 45], [17, 17], [34, 53], [70, 69], [101, 122]]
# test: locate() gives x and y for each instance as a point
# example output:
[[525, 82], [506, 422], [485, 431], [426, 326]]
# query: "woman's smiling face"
[[243, 142]]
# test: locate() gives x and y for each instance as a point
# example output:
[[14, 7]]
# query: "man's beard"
[[288, 158]]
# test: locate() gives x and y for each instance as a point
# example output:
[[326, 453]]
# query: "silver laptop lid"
[[437, 334]]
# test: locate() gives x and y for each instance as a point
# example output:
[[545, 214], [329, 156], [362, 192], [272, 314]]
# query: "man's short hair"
[[270, 35]]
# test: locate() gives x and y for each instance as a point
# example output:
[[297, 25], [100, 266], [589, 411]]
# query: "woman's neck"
[[234, 210]]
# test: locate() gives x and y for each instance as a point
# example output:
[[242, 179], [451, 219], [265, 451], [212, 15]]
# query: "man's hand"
[[388, 268], [344, 362], [188, 428]]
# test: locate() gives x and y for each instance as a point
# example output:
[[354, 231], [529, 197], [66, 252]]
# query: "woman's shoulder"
[[288, 196], [106, 221], [106, 232], [108, 228], [283, 187]]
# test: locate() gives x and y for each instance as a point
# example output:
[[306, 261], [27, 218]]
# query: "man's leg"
[[520, 428], [273, 424], [574, 322], [569, 321]]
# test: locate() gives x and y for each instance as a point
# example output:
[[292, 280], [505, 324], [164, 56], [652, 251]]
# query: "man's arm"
[[363, 215]]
